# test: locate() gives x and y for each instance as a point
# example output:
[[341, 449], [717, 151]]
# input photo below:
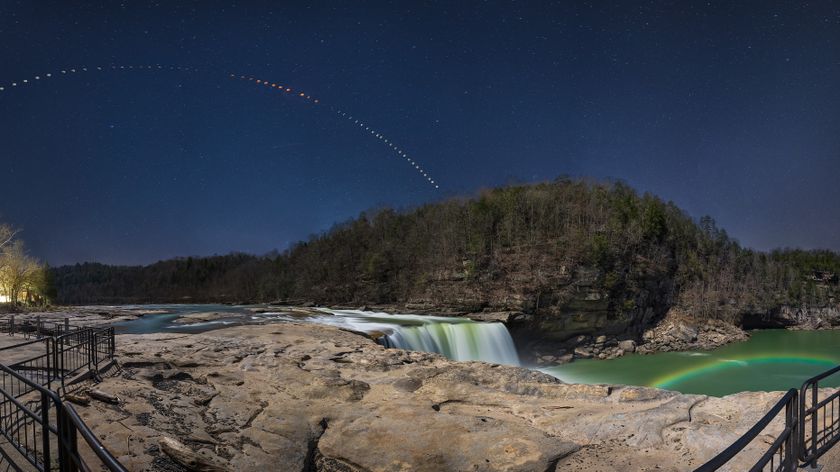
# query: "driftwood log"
[[77, 399], [187, 458], [104, 396]]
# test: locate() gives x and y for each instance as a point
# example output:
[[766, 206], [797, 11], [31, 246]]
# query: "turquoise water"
[[770, 360], [165, 322]]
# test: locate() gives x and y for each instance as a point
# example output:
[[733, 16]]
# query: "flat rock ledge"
[[304, 397]]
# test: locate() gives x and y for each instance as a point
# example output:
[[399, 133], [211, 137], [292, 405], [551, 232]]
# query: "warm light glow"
[[4, 299]]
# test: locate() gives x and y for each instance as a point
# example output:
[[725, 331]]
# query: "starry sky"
[[728, 108]]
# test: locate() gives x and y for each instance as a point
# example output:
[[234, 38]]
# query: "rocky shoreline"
[[298, 396], [677, 331]]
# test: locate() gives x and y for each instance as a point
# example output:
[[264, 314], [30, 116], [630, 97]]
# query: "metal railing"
[[781, 455], [811, 428], [29, 327], [819, 419], [37, 429]]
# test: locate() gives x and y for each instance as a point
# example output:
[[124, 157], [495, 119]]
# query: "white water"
[[456, 338]]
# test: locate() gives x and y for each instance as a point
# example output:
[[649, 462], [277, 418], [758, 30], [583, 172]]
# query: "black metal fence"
[[37, 429], [781, 455], [811, 428], [819, 418]]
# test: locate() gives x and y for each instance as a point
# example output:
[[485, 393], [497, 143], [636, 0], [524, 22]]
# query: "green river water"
[[770, 360]]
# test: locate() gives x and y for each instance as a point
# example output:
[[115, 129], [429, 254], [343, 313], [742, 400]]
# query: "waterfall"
[[489, 342], [458, 339]]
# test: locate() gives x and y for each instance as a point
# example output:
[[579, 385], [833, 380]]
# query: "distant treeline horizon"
[[532, 247]]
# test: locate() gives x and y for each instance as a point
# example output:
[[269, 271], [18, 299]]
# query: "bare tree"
[[19, 273], [21, 276], [7, 235]]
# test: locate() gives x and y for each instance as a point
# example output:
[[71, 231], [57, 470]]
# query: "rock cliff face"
[[302, 397], [567, 302], [802, 317]]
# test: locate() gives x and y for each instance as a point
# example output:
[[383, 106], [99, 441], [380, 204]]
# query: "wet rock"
[[565, 358]]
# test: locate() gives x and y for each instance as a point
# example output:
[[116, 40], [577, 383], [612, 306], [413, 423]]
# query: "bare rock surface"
[[90, 315], [679, 332], [303, 397]]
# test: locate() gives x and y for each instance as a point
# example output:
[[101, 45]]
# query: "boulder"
[[565, 358], [627, 346]]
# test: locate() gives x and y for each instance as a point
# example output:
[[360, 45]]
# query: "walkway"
[[38, 362]]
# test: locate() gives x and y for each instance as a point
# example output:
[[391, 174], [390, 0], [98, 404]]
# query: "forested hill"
[[564, 247]]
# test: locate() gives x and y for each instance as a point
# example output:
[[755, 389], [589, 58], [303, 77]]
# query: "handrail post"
[[91, 350], [66, 325], [69, 450], [60, 363], [790, 423], [12, 325], [38, 327], [45, 429], [95, 352], [814, 401], [49, 359], [57, 357]]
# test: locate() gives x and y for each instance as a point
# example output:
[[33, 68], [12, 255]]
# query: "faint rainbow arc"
[[272, 84], [670, 379]]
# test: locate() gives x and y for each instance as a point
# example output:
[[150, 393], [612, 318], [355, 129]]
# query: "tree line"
[[538, 248]]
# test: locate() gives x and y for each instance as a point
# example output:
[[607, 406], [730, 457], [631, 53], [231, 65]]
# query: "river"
[[769, 360]]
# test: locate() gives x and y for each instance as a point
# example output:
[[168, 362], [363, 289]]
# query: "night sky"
[[727, 108]]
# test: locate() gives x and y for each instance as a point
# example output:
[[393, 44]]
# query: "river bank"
[[677, 331], [298, 396]]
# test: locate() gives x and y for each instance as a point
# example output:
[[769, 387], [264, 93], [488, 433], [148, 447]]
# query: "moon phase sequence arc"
[[273, 85]]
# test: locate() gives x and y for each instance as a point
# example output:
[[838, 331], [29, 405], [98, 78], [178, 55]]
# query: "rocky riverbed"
[[302, 397]]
